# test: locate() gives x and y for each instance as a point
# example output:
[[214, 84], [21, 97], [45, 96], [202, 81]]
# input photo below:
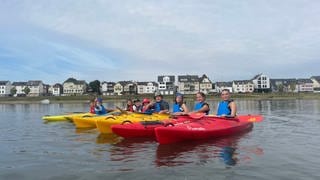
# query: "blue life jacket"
[[199, 105], [224, 108], [100, 110], [161, 105], [177, 108]]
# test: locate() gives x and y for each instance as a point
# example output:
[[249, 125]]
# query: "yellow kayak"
[[90, 122], [65, 117], [104, 125]]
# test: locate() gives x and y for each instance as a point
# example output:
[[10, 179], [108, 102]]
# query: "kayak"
[[91, 121], [146, 128], [65, 117], [104, 125], [205, 128]]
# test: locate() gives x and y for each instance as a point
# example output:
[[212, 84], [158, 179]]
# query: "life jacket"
[[100, 110], [129, 108], [92, 110], [224, 108], [159, 106], [137, 108], [177, 108], [199, 105]]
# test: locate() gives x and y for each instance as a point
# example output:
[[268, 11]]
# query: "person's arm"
[[185, 108], [233, 108]]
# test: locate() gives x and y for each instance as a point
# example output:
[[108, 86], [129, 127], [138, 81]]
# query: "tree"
[[26, 90], [95, 86], [13, 91], [292, 86], [280, 87]]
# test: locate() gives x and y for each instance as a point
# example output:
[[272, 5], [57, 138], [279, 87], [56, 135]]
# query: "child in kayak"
[[129, 105], [159, 105], [137, 106], [179, 106], [201, 106], [92, 106], [99, 108], [145, 103], [226, 107]]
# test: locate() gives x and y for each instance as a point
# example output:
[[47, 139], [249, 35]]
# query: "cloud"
[[141, 39]]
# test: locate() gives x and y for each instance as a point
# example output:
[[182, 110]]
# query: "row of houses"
[[166, 84]]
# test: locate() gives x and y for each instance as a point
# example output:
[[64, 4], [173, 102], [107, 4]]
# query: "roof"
[[19, 83], [34, 83], [74, 81], [109, 83], [242, 81], [204, 77], [302, 81], [188, 78], [57, 85], [317, 78], [146, 83], [171, 78], [224, 84], [4, 82], [124, 83]]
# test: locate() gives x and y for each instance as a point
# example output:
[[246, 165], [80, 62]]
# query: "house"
[[19, 86], [188, 84], [72, 86], [57, 89], [5, 87], [107, 88], [283, 85], [304, 85], [147, 87], [36, 88], [316, 83], [242, 86], [125, 88], [223, 85], [205, 84], [261, 83], [166, 84]]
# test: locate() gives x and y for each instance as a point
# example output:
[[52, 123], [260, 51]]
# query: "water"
[[284, 146]]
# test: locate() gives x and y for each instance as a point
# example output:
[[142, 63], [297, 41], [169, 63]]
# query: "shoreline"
[[86, 98]]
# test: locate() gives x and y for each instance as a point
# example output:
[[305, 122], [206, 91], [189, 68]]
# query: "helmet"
[[179, 94], [99, 100], [146, 100]]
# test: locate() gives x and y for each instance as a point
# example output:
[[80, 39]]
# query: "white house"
[[205, 84], [57, 89], [72, 86], [242, 86], [316, 83], [304, 85], [5, 87], [20, 86], [223, 85], [188, 84], [107, 88], [166, 84], [147, 87], [261, 83], [36, 88]]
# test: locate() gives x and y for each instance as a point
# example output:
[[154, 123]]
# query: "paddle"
[[196, 115], [121, 110], [248, 118]]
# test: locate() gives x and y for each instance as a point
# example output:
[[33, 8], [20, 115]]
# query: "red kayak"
[[205, 128], [146, 128]]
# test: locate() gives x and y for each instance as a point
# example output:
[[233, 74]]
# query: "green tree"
[[26, 90], [95, 86], [292, 86], [280, 87], [13, 91]]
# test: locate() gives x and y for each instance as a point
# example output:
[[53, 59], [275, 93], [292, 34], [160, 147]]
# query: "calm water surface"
[[284, 146]]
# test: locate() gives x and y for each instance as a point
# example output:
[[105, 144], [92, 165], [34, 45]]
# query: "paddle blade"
[[121, 110], [197, 115], [254, 118]]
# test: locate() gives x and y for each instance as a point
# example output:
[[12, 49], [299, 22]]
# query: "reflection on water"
[[202, 152], [283, 146]]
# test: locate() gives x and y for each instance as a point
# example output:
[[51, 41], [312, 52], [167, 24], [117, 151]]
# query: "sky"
[[52, 40]]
